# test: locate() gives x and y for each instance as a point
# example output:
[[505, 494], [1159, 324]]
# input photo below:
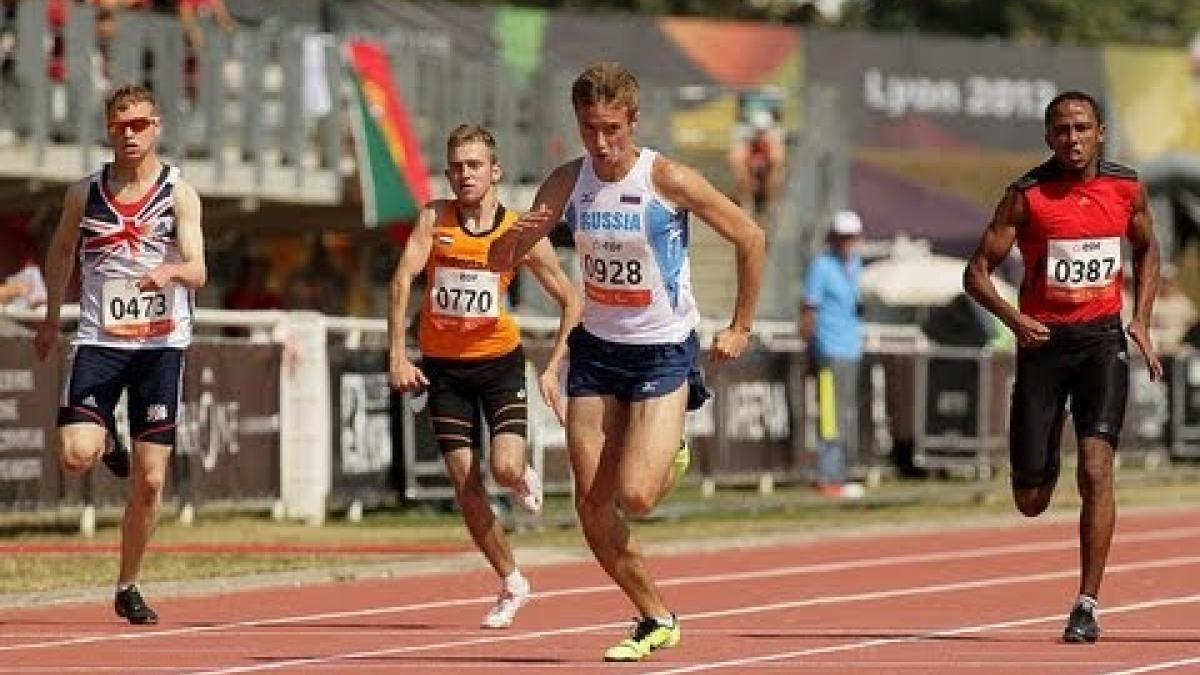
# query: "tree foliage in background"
[[1081, 22], [1078, 22]]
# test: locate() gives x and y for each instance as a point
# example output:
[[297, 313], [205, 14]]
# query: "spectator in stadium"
[[756, 158], [193, 12], [1069, 216], [831, 325], [472, 358], [634, 360], [1174, 312], [134, 228], [251, 290], [24, 289]]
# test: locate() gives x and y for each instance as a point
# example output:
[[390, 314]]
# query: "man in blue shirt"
[[831, 325]]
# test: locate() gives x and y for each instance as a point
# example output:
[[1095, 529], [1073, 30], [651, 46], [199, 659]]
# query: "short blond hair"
[[606, 82], [128, 95], [471, 133]]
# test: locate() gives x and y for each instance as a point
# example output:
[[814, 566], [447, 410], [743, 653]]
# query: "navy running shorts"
[[459, 389], [153, 378], [633, 373], [1086, 363]]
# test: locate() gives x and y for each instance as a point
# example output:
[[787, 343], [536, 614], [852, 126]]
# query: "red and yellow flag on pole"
[[395, 183]]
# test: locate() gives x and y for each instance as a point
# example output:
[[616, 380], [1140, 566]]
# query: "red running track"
[[982, 600]]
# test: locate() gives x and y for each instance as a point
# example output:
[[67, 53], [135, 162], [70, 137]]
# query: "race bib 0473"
[[130, 312]]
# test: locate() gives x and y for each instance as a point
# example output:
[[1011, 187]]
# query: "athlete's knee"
[[75, 464], [508, 469], [148, 486], [638, 500], [1096, 461], [1031, 502], [77, 456]]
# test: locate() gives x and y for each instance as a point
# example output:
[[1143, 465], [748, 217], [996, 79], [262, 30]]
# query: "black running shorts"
[[459, 389], [1086, 363], [153, 378]]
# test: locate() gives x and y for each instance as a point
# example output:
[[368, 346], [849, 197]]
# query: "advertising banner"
[[29, 474], [228, 438], [362, 415]]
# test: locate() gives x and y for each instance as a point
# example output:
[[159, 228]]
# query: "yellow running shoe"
[[683, 459], [648, 636]]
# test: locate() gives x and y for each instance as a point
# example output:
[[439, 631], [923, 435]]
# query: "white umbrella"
[[923, 279]]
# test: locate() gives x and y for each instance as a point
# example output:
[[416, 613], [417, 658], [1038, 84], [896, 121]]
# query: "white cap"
[[847, 224], [761, 120]]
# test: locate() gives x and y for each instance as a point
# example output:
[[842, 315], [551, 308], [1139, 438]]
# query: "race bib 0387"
[[1080, 269]]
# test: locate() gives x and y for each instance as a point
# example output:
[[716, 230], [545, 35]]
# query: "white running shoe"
[[501, 614], [529, 492]]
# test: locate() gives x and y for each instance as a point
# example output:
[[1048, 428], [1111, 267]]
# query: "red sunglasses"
[[137, 125]]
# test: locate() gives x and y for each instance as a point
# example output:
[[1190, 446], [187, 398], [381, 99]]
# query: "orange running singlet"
[[464, 314]]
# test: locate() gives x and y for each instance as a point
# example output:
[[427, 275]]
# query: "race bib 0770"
[[1079, 269], [465, 297], [130, 312]]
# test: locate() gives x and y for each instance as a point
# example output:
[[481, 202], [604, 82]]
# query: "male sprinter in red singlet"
[[141, 259], [1068, 217], [471, 348]]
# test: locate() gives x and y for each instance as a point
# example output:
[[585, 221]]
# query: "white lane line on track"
[[965, 630], [814, 568], [737, 611], [1154, 667]]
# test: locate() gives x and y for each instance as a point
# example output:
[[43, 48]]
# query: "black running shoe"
[[1081, 627], [116, 457], [130, 605]]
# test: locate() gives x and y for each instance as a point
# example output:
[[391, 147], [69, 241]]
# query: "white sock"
[[669, 621], [516, 582], [1087, 602], [126, 586]]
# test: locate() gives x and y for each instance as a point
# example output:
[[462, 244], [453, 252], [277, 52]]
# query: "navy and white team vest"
[[633, 249], [119, 243]]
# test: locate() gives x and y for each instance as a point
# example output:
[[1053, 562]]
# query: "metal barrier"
[[298, 414]]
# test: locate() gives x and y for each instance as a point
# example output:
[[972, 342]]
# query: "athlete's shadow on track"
[[1049, 636], [423, 658], [327, 625]]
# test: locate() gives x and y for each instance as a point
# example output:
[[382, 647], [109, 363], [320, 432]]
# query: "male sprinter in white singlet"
[[141, 254], [634, 360]]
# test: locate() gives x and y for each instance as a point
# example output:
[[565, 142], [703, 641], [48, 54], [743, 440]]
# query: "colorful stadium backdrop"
[[936, 126]]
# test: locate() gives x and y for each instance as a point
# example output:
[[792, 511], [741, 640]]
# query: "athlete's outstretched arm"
[[191, 271], [510, 248], [1145, 279], [995, 245], [544, 264], [402, 373], [688, 189], [59, 260]]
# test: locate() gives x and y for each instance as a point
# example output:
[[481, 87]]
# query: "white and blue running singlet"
[[633, 248], [119, 243]]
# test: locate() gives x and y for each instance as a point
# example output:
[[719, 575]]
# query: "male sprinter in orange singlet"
[[471, 348], [136, 225], [1068, 217]]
